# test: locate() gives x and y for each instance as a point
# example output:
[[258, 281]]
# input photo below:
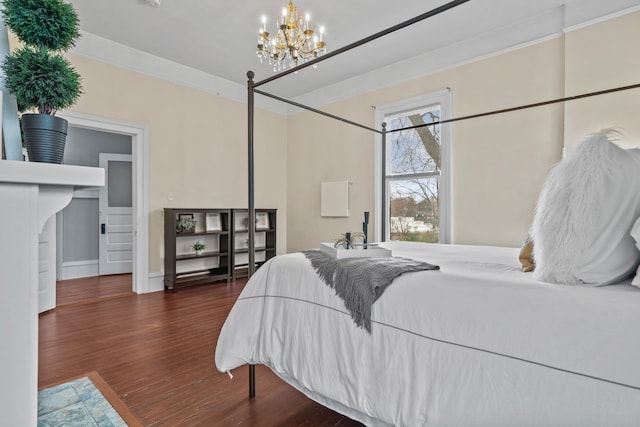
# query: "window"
[[414, 191]]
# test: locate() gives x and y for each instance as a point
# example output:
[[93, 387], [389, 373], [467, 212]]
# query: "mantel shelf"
[[49, 174]]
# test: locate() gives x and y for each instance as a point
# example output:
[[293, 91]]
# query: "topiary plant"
[[37, 74], [50, 24], [41, 80]]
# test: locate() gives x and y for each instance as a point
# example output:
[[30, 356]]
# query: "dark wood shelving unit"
[[204, 254], [226, 255], [265, 239], [182, 267]]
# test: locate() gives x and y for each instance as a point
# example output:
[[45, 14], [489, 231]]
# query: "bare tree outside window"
[[413, 167]]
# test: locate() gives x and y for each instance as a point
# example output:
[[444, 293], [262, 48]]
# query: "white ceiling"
[[218, 38]]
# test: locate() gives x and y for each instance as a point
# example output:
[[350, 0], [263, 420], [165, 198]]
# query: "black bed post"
[[252, 208], [252, 211], [383, 169]]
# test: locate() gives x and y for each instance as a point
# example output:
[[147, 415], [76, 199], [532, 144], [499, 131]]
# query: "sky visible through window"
[[408, 153]]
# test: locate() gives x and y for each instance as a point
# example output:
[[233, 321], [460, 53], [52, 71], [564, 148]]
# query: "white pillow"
[[635, 233], [590, 201]]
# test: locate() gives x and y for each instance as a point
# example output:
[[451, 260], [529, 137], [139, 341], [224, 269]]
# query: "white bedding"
[[477, 343]]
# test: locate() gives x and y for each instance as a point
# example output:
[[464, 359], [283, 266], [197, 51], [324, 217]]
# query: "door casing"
[[140, 177]]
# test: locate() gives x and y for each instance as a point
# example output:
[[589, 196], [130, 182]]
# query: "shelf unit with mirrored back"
[[265, 241], [182, 265]]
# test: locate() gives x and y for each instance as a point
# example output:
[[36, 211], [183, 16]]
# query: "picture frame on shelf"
[[185, 223], [213, 222], [262, 220], [241, 222]]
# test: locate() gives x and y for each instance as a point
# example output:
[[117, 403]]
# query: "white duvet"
[[477, 343]]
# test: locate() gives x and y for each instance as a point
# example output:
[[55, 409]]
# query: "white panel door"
[[47, 266], [116, 215]]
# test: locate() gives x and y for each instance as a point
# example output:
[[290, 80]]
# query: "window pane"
[[415, 150], [413, 210], [119, 189]]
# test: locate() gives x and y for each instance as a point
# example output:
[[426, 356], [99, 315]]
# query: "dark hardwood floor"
[[92, 289], [156, 351]]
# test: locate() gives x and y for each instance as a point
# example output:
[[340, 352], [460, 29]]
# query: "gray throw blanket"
[[361, 281]]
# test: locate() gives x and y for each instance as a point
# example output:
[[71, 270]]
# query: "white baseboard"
[[155, 284], [78, 269], [90, 268]]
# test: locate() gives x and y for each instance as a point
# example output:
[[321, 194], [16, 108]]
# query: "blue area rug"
[[76, 403]]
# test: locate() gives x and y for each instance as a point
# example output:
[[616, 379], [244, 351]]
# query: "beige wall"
[[601, 57], [323, 150], [197, 145], [499, 163]]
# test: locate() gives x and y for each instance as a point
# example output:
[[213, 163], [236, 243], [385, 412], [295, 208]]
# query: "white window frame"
[[444, 99]]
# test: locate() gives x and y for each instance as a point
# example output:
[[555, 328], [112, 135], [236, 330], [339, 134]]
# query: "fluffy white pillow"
[[589, 203], [635, 234]]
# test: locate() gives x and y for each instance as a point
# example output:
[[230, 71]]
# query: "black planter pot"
[[44, 136]]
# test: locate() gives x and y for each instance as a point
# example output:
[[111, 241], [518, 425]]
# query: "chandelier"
[[294, 42]]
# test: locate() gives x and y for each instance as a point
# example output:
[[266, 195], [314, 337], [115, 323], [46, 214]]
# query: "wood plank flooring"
[[156, 351], [92, 289]]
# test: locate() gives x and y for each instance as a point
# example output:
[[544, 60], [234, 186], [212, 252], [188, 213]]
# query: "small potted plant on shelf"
[[198, 247], [37, 74], [186, 225]]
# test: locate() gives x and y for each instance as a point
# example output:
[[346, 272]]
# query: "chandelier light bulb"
[[293, 42]]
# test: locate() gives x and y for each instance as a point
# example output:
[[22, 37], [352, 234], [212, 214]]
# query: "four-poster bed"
[[478, 343]]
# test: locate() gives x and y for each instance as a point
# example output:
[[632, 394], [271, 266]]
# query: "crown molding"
[[104, 50], [553, 23], [600, 19], [500, 41], [518, 35]]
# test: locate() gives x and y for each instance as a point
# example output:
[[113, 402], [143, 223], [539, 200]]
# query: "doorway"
[[82, 230], [136, 139]]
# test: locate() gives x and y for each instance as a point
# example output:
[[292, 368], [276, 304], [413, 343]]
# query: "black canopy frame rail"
[[251, 91]]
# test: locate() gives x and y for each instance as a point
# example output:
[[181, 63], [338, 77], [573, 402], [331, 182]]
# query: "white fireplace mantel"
[[30, 193]]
